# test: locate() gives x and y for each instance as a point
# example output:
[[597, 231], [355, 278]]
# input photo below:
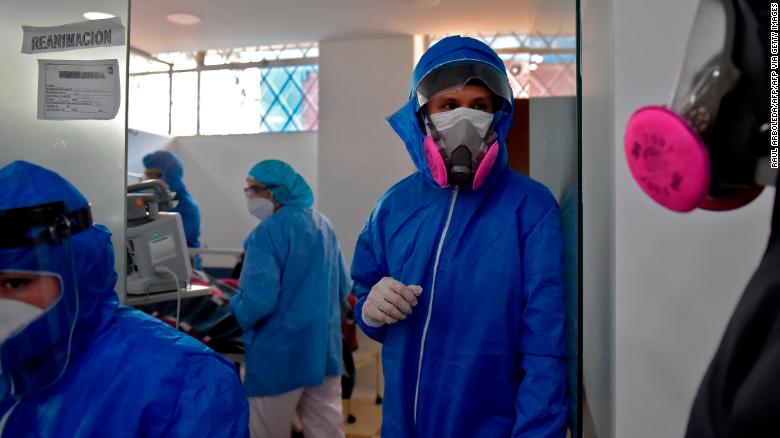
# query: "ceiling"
[[241, 23]]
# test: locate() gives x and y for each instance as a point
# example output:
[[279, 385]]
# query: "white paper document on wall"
[[78, 90]]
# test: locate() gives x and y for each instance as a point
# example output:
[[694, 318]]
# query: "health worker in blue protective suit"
[[165, 165], [74, 362], [459, 269], [288, 304]]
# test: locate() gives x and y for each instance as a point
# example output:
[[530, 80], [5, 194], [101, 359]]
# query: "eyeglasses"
[[252, 190], [257, 190]]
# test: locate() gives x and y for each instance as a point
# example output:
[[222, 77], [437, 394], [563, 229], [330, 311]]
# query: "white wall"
[[349, 163], [140, 143], [215, 171], [598, 211], [362, 81], [88, 153], [677, 277], [552, 134]]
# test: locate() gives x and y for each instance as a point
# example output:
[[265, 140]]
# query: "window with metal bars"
[[538, 65], [219, 92]]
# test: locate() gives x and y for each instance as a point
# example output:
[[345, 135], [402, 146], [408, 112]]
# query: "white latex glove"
[[389, 302]]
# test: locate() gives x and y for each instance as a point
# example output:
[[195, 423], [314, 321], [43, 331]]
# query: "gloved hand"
[[389, 302]]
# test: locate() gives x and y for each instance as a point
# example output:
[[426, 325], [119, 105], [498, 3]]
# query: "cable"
[[166, 270]]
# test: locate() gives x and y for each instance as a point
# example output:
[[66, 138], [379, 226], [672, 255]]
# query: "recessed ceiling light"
[[532, 67], [183, 19], [97, 15]]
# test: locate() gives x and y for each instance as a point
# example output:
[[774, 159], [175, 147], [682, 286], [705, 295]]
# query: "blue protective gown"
[[123, 373], [187, 207], [291, 284], [493, 360]]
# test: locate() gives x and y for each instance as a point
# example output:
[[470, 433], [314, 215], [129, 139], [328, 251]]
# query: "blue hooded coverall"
[[489, 361], [291, 286], [88, 367], [173, 172]]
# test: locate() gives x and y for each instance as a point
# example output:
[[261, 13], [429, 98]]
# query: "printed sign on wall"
[[82, 35]]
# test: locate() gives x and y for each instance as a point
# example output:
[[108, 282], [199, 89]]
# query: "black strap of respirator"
[[43, 223]]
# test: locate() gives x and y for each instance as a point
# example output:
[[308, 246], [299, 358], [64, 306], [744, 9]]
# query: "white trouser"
[[319, 409]]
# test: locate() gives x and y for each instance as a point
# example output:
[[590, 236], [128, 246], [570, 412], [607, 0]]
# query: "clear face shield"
[[456, 76], [708, 73], [38, 293], [461, 146], [680, 154]]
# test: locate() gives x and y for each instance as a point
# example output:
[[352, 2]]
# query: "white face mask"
[[462, 126], [14, 316], [260, 208]]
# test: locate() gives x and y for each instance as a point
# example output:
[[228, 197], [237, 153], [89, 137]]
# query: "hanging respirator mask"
[[461, 145], [701, 150]]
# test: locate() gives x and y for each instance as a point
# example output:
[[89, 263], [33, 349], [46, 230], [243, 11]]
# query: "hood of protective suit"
[[288, 187], [451, 50], [36, 357], [170, 166]]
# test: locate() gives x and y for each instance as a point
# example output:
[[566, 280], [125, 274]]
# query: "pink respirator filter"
[[439, 169], [485, 166], [435, 161], [668, 159]]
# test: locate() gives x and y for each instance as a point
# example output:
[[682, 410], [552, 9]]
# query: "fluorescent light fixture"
[[183, 19], [94, 15]]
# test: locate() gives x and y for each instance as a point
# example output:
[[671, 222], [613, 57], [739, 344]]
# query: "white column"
[[362, 81]]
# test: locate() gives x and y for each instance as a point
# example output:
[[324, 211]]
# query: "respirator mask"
[[461, 145], [701, 150]]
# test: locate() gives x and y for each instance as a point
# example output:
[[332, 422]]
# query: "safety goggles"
[[455, 75]]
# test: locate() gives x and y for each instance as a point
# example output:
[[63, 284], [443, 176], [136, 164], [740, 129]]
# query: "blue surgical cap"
[[170, 166], [288, 187]]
